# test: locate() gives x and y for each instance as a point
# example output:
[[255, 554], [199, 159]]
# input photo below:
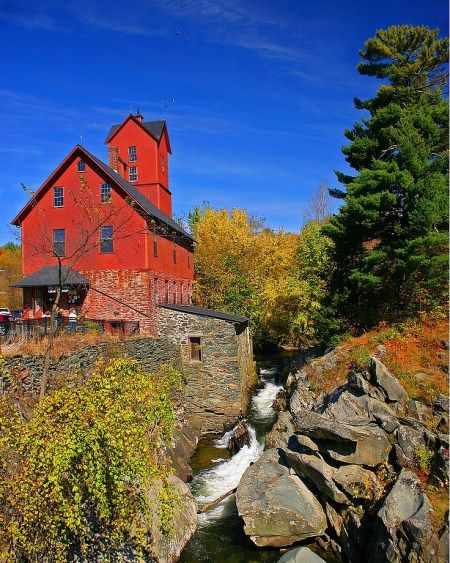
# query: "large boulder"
[[300, 555], [357, 482], [277, 507], [389, 384], [402, 529], [167, 547], [360, 445], [411, 446], [314, 469], [281, 431]]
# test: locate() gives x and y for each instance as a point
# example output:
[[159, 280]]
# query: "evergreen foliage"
[[390, 235], [73, 479]]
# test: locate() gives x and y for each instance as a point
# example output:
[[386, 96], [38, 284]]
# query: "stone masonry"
[[218, 386], [150, 352]]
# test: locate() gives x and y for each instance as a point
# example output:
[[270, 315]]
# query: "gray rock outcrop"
[[402, 530], [278, 509], [300, 555]]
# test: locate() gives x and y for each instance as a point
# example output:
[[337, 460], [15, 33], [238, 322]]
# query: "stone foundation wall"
[[150, 352], [214, 385]]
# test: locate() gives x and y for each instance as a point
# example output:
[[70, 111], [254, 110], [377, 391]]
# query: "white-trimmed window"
[[132, 154], [59, 242], [58, 197], [132, 173], [105, 193], [106, 239]]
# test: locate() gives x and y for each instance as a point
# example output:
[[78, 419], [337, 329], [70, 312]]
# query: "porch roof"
[[49, 276]]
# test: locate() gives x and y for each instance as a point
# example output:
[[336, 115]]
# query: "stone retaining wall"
[[216, 389], [150, 352]]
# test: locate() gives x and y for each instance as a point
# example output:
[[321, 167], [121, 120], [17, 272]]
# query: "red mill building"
[[111, 230], [103, 236]]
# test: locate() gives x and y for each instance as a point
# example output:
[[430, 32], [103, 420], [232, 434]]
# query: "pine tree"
[[390, 235]]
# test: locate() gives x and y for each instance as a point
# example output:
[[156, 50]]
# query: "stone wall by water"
[[150, 352], [217, 390]]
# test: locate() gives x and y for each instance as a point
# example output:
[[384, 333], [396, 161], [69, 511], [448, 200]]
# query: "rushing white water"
[[262, 401], [212, 483]]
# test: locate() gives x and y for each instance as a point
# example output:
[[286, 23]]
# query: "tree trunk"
[[48, 351]]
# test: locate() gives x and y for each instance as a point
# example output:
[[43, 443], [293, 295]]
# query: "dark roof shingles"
[[155, 128], [50, 276], [204, 312], [139, 198]]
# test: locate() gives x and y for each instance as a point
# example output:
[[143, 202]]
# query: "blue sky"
[[256, 94]]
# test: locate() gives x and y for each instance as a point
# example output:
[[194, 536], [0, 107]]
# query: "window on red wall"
[[132, 174], [163, 164], [155, 246]]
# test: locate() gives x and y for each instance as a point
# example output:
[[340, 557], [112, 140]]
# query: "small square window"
[[132, 174], [58, 197], [105, 193], [132, 154], [195, 348], [106, 239], [81, 166], [59, 242]]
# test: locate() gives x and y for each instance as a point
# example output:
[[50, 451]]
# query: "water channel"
[[220, 536]]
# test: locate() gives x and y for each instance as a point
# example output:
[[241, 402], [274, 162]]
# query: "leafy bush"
[[360, 357], [79, 469]]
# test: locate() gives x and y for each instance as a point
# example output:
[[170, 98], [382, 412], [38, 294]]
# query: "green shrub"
[[423, 457], [389, 334], [360, 357], [80, 467]]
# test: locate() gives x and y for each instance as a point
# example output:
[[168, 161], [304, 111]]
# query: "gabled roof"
[[204, 312], [155, 128], [143, 203], [50, 276]]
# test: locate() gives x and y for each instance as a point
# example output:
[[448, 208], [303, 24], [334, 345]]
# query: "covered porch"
[[40, 291]]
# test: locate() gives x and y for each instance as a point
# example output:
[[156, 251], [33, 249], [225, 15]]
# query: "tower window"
[[58, 197], [81, 166], [132, 174], [106, 240], [105, 193], [59, 242], [163, 164], [132, 154]]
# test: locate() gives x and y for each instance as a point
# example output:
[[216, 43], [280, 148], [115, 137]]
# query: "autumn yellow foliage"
[[10, 272], [270, 276]]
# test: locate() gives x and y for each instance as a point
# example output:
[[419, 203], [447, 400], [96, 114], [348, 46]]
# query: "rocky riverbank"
[[351, 470]]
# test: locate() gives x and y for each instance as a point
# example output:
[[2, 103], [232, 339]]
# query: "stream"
[[220, 536]]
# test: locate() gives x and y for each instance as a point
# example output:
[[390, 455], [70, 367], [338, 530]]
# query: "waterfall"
[[211, 483]]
